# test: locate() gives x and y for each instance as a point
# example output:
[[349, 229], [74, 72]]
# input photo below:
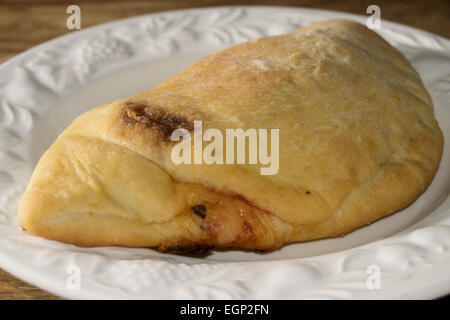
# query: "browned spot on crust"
[[185, 246], [154, 118], [200, 210]]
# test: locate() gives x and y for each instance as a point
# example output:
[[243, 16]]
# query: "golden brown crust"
[[358, 141]]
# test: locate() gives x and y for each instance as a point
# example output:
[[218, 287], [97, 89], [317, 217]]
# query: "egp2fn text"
[[250, 309]]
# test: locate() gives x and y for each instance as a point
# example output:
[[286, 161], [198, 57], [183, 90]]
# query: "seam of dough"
[[226, 193]]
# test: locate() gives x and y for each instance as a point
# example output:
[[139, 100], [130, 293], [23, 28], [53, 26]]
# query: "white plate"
[[43, 89]]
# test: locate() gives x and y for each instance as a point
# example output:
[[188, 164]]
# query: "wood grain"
[[26, 23]]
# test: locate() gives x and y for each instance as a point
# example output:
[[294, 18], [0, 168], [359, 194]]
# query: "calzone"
[[358, 140]]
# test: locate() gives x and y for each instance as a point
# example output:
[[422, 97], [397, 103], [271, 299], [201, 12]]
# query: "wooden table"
[[26, 23]]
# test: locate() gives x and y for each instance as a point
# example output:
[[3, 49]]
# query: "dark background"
[[26, 23]]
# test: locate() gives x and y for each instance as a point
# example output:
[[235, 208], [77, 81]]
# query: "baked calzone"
[[358, 140]]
